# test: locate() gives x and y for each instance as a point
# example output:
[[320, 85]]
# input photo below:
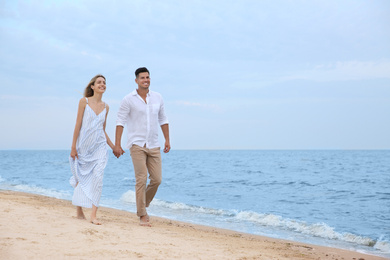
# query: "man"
[[143, 112]]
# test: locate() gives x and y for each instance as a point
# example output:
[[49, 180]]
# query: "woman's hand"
[[118, 151], [73, 153]]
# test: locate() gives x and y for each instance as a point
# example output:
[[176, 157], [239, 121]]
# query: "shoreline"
[[39, 227]]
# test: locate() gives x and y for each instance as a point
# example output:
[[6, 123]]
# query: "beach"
[[39, 227]]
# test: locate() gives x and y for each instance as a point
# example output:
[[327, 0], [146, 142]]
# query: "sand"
[[39, 227]]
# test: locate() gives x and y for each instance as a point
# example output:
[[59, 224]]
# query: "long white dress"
[[88, 169]]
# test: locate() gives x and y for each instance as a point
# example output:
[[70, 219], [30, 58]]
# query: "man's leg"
[[153, 163], [138, 156]]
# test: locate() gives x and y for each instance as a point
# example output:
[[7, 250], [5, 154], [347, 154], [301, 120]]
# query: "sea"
[[335, 198]]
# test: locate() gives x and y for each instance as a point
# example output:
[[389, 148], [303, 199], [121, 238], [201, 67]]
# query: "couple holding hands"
[[142, 112]]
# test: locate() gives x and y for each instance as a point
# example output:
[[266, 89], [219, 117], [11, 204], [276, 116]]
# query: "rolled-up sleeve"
[[123, 113], [162, 118]]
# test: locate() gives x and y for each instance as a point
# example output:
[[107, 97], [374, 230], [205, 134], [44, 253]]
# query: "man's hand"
[[165, 130], [167, 147], [118, 151]]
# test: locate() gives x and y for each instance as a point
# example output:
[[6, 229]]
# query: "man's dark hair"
[[140, 70]]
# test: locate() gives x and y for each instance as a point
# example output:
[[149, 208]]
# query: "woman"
[[89, 155]]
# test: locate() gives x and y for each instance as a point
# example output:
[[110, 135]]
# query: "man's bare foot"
[[144, 221], [80, 213], [96, 222]]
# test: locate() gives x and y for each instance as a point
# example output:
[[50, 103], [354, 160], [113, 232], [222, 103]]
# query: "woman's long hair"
[[88, 92]]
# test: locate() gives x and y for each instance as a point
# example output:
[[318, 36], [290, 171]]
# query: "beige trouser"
[[144, 161]]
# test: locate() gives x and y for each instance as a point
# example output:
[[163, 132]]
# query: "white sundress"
[[88, 169]]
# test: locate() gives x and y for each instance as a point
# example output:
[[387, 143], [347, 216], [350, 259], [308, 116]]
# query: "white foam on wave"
[[129, 197], [321, 230], [183, 206], [37, 190], [382, 245]]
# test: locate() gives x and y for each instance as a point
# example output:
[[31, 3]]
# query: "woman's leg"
[[80, 213], [94, 220]]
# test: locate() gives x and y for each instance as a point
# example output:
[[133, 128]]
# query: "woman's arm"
[[79, 120], [104, 127]]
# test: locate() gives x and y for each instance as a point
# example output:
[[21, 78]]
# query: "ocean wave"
[[129, 197], [192, 208], [321, 230], [36, 190], [383, 244]]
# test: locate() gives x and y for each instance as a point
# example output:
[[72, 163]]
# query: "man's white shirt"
[[143, 119]]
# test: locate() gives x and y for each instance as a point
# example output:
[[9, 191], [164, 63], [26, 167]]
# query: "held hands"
[[118, 151]]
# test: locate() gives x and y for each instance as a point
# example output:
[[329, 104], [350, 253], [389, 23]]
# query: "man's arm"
[[122, 116], [165, 130]]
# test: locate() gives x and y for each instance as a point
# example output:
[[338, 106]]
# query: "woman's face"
[[100, 85]]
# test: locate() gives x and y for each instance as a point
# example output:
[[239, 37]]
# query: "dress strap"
[[87, 100], [105, 105]]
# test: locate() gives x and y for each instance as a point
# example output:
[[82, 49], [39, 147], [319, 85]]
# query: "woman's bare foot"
[[96, 221], [80, 213]]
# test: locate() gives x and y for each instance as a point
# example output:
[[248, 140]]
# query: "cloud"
[[211, 107], [344, 71], [29, 99], [257, 61], [91, 55]]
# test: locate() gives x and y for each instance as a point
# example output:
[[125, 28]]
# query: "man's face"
[[143, 80]]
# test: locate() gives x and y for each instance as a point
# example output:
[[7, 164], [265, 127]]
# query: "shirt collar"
[[134, 92]]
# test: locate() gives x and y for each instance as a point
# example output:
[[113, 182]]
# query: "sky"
[[242, 74]]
